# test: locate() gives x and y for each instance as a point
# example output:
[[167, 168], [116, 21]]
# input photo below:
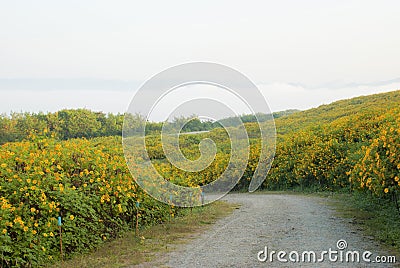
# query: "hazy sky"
[[94, 54]]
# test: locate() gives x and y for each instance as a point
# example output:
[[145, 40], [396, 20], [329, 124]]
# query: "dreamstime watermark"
[[175, 90], [340, 254]]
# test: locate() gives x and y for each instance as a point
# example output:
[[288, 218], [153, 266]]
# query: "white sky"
[[300, 53]]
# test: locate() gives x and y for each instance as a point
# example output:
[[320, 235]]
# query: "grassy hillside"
[[364, 105], [350, 144]]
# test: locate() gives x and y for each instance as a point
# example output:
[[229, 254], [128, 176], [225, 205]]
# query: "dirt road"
[[281, 223]]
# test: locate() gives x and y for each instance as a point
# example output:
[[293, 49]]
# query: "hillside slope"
[[350, 143], [371, 104]]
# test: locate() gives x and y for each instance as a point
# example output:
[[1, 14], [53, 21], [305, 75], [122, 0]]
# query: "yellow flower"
[[36, 224], [386, 190], [4, 165], [26, 228], [19, 220], [45, 234], [71, 217], [396, 178], [34, 232], [33, 209], [51, 234], [4, 231]]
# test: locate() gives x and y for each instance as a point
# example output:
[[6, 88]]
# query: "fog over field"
[[280, 96]]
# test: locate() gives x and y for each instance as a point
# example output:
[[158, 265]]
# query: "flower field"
[[86, 182]]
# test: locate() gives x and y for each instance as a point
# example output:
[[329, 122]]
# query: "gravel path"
[[280, 222]]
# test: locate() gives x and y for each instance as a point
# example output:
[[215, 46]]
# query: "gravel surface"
[[279, 222]]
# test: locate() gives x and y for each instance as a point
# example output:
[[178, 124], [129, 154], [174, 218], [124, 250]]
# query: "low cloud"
[[280, 96]]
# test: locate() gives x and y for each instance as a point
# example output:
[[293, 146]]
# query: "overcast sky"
[[95, 54]]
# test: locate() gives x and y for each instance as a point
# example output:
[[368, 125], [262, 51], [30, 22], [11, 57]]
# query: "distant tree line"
[[83, 123], [251, 118], [64, 124]]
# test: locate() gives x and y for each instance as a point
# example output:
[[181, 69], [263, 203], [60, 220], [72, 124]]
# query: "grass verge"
[[153, 241], [376, 217]]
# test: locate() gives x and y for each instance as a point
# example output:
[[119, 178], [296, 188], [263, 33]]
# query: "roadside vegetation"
[[375, 217], [151, 243]]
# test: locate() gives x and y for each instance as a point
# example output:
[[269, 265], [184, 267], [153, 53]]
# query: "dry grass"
[[152, 243]]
